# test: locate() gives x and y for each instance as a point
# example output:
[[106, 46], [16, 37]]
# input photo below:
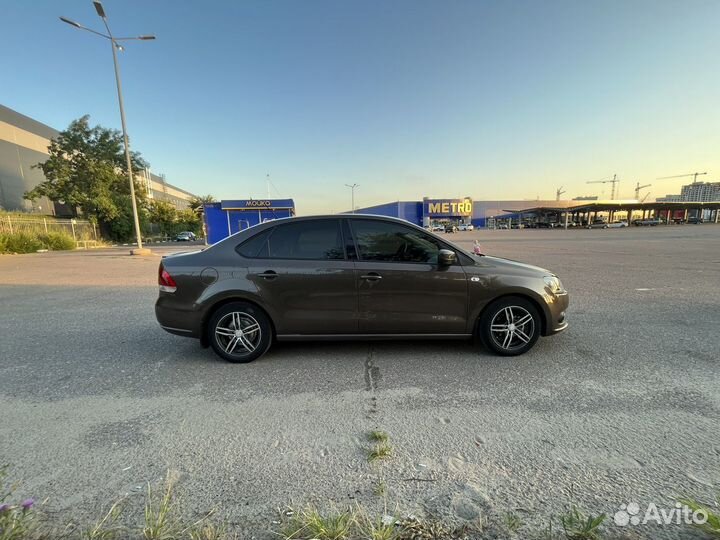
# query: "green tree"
[[163, 215], [197, 202], [87, 171]]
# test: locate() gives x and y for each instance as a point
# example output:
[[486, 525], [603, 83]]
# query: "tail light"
[[165, 280]]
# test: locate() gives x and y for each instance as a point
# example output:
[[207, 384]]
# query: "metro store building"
[[454, 211]]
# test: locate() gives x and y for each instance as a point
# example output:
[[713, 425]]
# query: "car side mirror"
[[446, 257]]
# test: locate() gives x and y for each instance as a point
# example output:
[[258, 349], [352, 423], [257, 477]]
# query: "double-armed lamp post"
[[116, 46]]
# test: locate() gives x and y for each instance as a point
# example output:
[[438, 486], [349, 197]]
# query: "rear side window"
[[255, 247], [305, 240]]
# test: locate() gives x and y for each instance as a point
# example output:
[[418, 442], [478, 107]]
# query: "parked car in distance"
[[438, 228], [466, 227], [598, 224], [617, 224], [695, 220], [352, 277], [503, 226], [185, 236], [651, 222], [451, 229]]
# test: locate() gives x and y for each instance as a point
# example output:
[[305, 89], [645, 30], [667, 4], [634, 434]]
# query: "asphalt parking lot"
[[623, 407]]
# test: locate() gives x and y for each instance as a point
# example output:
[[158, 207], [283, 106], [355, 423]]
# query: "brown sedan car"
[[352, 277]]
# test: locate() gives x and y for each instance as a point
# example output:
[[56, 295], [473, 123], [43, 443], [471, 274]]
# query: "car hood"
[[509, 265]]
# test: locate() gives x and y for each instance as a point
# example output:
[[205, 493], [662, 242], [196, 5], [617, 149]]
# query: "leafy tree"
[[197, 202], [87, 171], [163, 215]]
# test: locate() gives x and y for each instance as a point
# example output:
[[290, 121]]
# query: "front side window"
[[308, 240], [391, 242]]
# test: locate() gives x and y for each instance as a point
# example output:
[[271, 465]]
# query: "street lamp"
[[352, 199], [115, 45]]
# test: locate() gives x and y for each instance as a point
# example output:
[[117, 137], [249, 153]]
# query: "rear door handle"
[[268, 274], [371, 276]]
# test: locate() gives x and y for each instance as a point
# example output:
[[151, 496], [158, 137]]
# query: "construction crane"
[[614, 183], [638, 187], [693, 174], [645, 196], [559, 192]]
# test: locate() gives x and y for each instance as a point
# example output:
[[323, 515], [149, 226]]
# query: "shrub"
[[25, 242], [22, 242], [57, 241]]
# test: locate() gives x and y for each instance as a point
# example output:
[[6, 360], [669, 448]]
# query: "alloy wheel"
[[238, 333], [512, 328]]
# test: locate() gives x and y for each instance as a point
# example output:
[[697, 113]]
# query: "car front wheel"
[[240, 332], [509, 326]]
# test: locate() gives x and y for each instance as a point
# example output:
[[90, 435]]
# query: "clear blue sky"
[[490, 99]]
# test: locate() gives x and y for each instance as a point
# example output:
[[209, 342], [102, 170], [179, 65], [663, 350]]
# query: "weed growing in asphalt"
[[378, 436], [380, 450], [578, 526], [711, 526], [107, 527], [17, 521], [380, 488], [512, 521], [160, 520], [309, 523]]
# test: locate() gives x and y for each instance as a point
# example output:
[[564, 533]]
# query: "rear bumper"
[[176, 321]]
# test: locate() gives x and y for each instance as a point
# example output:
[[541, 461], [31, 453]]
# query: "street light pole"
[[138, 234], [115, 45], [352, 196]]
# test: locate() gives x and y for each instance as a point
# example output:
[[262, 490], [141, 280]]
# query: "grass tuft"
[[578, 526], [160, 520], [107, 527], [513, 522], [711, 527], [378, 436], [380, 450], [310, 524]]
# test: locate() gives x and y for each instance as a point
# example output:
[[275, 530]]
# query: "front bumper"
[[557, 319]]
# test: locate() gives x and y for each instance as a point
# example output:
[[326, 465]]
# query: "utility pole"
[[352, 195], [267, 181], [115, 46]]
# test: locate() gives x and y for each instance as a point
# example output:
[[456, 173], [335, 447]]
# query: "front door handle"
[[268, 274], [371, 276]]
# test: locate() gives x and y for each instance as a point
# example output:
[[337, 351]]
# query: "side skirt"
[[366, 337]]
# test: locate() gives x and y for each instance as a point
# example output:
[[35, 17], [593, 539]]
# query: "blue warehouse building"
[[229, 217], [465, 210]]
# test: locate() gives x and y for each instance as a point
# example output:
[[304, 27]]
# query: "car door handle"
[[372, 276], [268, 274]]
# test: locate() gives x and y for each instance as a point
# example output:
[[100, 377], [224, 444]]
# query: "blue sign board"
[[257, 204]]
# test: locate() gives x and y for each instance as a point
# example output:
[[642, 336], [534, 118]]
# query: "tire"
[[495, 317], [247, 345]]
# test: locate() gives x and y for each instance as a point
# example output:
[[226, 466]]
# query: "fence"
[[81, 230]]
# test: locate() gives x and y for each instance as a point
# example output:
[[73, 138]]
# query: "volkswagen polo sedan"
[[352, 277]]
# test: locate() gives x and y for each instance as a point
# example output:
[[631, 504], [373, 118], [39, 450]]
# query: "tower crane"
[[559, 192], [693, 174], [614, 183], [638, 187]]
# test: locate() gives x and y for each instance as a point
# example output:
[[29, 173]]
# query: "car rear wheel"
[[240, 332], [510, 326]]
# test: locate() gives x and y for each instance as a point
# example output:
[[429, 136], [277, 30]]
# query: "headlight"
[[554, 283]]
